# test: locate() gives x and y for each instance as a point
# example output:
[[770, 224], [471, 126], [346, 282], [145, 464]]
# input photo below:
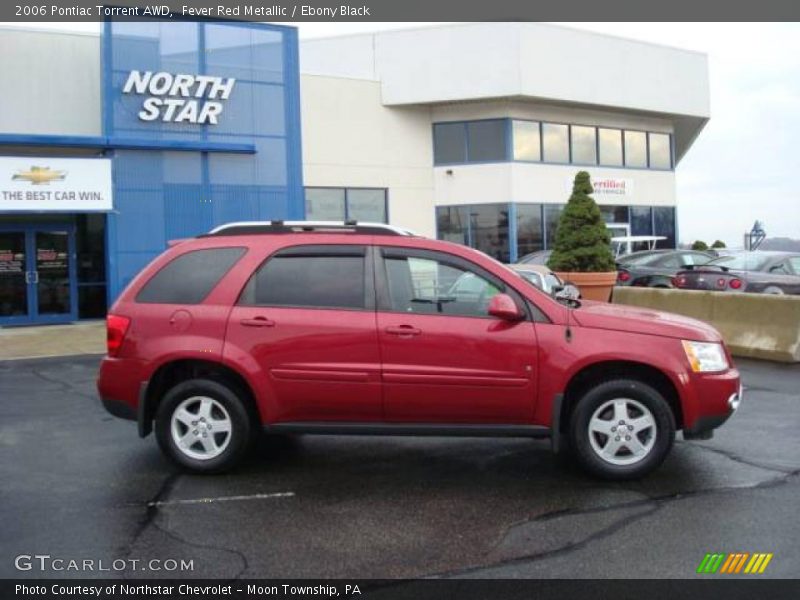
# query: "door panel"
[[315, 365], [457, 369], [306, 319], [52, 269], [444, 359], [13, 277]]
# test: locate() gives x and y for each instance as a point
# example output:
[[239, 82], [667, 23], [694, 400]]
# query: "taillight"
[[116, 328], [721, 282], [679, 281], [735, 284], [623, 276]]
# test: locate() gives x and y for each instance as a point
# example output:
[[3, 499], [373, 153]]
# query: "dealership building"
[[112, 145]]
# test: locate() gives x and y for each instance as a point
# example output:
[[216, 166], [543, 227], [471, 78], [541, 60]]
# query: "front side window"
[[309, 279], [429, 286], [189, 278]]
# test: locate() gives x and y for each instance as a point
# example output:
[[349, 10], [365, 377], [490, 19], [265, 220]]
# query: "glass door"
[[37, 275], [52, 275], [14, 297]]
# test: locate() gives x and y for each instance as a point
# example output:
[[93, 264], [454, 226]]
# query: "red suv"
[[360, 329]]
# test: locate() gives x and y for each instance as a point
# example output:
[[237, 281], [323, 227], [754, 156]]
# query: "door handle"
[[258, 322], [403, 330]]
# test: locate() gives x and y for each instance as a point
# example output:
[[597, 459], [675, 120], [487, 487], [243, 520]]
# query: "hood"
[[620, 317]]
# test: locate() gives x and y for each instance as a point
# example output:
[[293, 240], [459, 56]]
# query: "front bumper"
[[703, 428]]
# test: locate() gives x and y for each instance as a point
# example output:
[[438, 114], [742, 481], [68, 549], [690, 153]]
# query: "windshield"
[[741, 262]]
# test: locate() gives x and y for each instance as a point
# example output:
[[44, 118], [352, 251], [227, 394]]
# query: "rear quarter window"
[[190, 277]]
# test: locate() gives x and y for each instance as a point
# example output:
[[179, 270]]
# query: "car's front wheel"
[[204, 426], [621, 429]]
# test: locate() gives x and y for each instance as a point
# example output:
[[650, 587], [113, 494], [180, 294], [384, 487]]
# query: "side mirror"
[[503, 307], [568, 291]]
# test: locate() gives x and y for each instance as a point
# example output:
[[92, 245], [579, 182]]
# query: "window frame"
[[317, 250], [383, 301]]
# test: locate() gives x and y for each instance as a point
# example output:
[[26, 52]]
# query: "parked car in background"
[[540, 257], [760, 272], [540, 276], [657, 268]]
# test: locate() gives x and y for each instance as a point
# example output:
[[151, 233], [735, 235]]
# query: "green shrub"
[[583, 242], [699, 245], [718, 244]]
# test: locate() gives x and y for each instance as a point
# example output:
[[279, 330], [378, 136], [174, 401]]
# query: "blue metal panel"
[[248, 166], [110, 143]]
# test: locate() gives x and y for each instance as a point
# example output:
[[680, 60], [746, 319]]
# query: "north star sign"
[[179, 98]]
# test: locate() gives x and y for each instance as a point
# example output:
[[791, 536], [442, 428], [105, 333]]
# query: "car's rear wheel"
[[773, 289], [621, 429], [204, 426]]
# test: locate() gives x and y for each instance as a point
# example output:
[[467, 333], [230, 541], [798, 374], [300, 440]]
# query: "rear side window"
[[189, 278], [309, 279]]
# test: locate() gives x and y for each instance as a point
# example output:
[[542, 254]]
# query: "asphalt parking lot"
[[78, 483]]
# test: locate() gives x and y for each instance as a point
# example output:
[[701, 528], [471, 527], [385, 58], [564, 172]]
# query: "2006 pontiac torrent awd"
[[347, 328]]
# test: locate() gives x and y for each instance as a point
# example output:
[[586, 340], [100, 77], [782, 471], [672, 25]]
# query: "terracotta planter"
[[593, 286]]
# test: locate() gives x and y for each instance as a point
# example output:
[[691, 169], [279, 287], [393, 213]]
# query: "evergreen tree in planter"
[[582, 252]]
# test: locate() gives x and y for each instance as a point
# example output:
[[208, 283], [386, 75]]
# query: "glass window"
[[527, 141], [660, 154], [584, 145], [451, 224], [610, 142], [530, 237], [794, 261], [635, 149], [641, 220], [552, 214], [556, 143], [311, 281], [189, 278], [426, 286], [486, 140], [488, 230], [664, 221], [449, 143], [366, 205], [325, 204], [615, 214]]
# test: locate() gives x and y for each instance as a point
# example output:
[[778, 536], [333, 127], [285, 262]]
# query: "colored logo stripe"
[[734, 563]]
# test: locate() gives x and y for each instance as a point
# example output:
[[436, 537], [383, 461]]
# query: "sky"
[[743, 165]]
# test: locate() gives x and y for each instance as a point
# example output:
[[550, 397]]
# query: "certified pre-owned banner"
[[30, 183]]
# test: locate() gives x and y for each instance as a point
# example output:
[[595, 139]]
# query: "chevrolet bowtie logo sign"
[[735, 563], [39, 175]]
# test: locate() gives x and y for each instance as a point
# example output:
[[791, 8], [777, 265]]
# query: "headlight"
[[705, 357]]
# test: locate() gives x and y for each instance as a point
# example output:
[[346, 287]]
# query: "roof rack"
[[272, 227]]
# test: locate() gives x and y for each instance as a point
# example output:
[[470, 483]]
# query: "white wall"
[[351, 140], [51, 83]]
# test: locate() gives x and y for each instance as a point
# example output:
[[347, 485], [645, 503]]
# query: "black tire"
[[242, 425], [597, 396]]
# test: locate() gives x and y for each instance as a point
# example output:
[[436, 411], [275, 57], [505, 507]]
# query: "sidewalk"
[[87, 337]]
